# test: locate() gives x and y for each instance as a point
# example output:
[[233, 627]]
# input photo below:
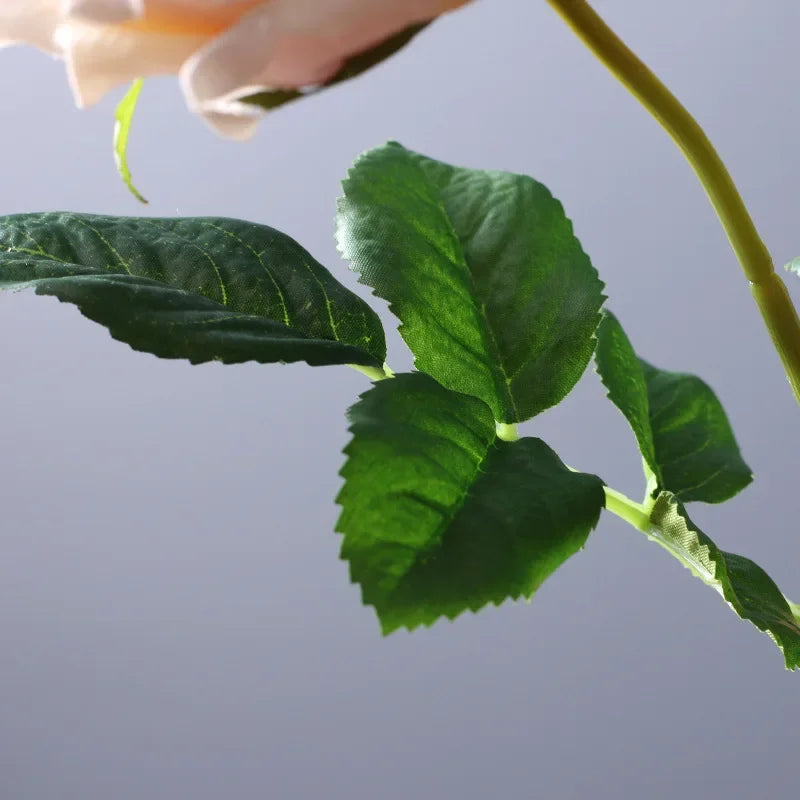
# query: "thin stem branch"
[[506, 431], [629, 510], [768, 289], [374, 373]]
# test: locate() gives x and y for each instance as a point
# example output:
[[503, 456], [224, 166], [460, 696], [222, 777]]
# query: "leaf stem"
[[506, 431], [374, 373], [767, 288], [629, 510]]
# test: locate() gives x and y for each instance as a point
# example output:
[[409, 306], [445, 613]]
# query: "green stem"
[[374, 373], [506, 431], [638, 515], [629, 510], [768, 289]]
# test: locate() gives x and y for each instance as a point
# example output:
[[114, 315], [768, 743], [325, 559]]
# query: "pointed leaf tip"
[[681, 428]]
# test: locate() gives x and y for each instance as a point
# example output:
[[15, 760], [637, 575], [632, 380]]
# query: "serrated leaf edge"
[[699, 571], [340, 248], [299, 338], [651, 471], [473, 609]]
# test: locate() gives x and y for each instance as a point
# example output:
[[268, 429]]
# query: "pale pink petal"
[[111, 12], [195, 6], [223, 49], [210, 17], [100, 58], [150, 37], [239, 124], [31, 22], [292, 44]]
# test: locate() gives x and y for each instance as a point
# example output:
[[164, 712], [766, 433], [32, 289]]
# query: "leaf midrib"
[[447, 521], [494, 362]]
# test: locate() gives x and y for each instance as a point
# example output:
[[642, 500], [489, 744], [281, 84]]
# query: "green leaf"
[[440, 516], [353, 67], [123, 118], [747, 589], [682, 430], [197, 288], [794, 266], [495, 295]]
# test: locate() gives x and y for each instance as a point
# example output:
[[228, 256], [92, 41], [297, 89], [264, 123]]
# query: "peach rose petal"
[[30, 22], [100, 58], [103, 11], [238, 121], [223, 50], [290, 44]]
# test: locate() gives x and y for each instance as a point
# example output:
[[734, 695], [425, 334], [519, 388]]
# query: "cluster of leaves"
[[443, 508]]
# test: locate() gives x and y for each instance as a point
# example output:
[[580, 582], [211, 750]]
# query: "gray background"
[[174, 620]]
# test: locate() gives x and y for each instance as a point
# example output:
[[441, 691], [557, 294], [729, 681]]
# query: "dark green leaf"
[[495, 295], [682, 430], [439, 516], [749, 591], [198, 288], [352, 68]]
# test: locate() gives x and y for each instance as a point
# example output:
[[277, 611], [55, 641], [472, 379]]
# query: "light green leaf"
[[495, 295], [123, 118], [747, 589], [794, 266], [196, 288], [439, 516], [353, 67], [682, 430]]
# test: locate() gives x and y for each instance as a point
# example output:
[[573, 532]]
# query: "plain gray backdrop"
[[174, 618]]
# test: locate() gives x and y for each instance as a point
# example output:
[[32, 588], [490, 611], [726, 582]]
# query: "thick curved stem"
[[768, 289]]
